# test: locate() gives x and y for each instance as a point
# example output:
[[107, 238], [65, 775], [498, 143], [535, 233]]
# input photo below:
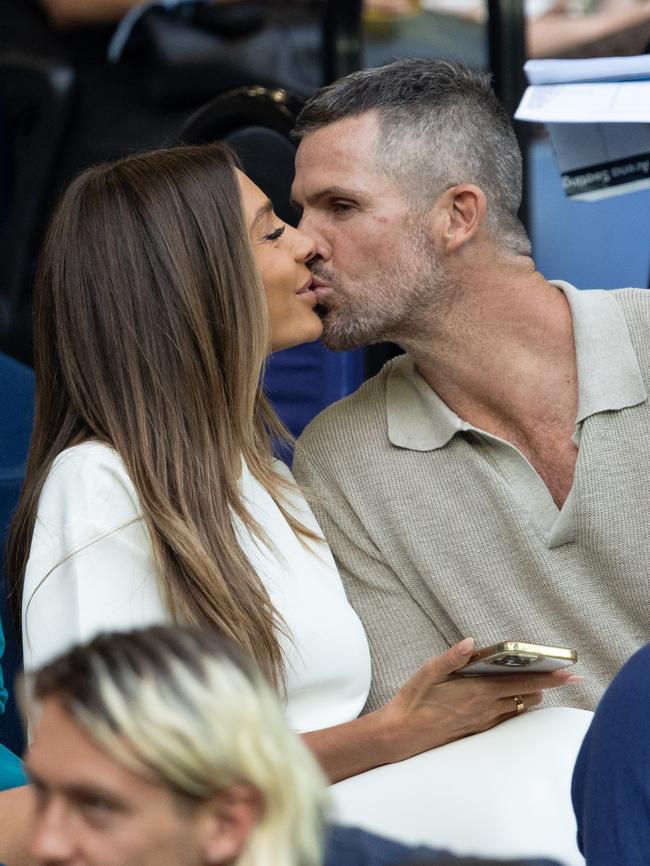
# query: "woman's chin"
[[308, 333]]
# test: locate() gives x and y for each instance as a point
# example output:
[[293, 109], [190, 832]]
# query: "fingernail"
[[574, 678], [465, 647]]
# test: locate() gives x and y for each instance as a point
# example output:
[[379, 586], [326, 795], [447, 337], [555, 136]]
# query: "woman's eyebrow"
[[261, 212]]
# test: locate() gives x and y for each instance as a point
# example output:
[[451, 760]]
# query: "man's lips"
[[320, 288]]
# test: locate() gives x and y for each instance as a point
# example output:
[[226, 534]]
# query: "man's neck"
[[502, 356]]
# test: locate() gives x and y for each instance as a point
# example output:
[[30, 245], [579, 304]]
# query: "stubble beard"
[[389, 306]]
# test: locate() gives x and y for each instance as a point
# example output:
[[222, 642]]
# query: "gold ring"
[[519, 703]]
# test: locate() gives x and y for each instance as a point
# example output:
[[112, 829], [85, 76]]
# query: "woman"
[[151, 493]]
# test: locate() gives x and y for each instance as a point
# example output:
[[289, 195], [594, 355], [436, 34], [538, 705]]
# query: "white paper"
[[590, 69], [616, 102]]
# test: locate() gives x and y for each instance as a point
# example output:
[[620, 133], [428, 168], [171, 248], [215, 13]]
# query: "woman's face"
[[281, 252]]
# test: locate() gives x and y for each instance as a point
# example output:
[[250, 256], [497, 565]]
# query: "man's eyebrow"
[[77, 791], [261, 212], [88, 793]]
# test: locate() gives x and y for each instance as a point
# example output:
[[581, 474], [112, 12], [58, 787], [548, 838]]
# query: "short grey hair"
[[184, 708], [440, 124]]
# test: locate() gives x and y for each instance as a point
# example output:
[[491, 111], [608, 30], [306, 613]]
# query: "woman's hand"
[[434, 707]]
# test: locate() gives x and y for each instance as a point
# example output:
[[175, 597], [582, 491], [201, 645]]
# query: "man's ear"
[[457, 215], [231, 817]]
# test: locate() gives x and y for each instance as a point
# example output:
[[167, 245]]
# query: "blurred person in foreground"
[[611, 780], [164, 747]]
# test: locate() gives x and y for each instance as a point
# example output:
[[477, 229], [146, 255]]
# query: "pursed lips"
[[308, 287]]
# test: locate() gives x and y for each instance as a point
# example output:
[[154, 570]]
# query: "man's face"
[[91, 811], [375, 267]]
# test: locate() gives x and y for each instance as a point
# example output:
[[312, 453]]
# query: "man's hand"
[[434, 707]]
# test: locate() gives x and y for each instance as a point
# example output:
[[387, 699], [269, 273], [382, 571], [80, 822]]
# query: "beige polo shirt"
[[609, 379]]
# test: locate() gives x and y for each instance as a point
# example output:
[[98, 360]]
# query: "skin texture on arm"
[[557, 34], [77, 13], [15, 822], [431, 709]]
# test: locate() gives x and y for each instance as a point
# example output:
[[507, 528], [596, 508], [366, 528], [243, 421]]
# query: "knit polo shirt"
[[442, 531]]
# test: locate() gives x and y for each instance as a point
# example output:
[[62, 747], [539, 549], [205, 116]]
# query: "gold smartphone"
[[514, 657]]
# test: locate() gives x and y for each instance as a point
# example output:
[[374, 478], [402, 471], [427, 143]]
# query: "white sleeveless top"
[[91, 569]]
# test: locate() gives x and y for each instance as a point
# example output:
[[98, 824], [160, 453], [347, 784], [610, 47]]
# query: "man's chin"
[[343, 336]]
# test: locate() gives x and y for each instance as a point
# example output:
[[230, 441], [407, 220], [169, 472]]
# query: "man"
[[491, 482], [165, 746]]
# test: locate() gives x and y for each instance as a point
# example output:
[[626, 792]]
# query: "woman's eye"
[[274, 235]]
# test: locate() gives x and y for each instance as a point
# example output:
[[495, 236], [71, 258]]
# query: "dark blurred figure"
[[351, 846], [611, 781], [64, 106], [473, 861]]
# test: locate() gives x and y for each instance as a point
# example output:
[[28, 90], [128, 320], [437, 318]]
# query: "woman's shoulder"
[[85, 482], [287, 491], [91, 453]]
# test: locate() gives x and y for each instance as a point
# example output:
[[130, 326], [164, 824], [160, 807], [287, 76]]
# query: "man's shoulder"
[[634, 301], [635, 306], [633, 295], [354, 417]]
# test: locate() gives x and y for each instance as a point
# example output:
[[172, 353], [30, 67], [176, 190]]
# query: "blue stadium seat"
[[16, 413]]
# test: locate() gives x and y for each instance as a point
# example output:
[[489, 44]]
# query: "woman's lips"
[[308, 292], [308, 287]]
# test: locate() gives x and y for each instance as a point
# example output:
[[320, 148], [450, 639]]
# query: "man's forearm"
[[555, 34], [77, 13]]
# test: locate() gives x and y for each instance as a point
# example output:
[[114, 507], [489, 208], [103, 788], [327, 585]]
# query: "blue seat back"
[[16, 415]]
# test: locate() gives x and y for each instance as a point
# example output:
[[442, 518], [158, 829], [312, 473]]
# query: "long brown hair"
[[150, 334]]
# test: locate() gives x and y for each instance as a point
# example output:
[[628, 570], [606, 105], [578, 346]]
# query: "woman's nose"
[[304, 247]]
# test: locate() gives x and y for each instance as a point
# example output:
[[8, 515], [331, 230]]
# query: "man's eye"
[[274, 235], [97, 812], [341, 207]]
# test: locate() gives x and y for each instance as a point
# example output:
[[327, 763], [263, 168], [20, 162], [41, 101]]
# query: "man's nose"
[[52, 841]]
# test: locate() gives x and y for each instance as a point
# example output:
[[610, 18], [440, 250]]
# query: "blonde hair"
[[182, 707], [150, 333]]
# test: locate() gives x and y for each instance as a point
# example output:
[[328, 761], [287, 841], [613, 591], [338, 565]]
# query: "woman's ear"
[[231, 817], [457, 216]]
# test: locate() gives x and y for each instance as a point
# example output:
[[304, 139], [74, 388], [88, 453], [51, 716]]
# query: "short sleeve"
[[90, 567]]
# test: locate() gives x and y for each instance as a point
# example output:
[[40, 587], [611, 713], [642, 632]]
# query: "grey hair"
[[440, 124], [182, 707]]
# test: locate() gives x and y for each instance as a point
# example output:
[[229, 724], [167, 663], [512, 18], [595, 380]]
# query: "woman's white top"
[[91, 570]]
